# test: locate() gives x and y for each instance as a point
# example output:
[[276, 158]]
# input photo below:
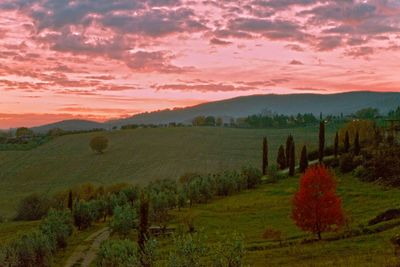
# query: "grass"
[[251, 212], [11, 230], [137, 156]]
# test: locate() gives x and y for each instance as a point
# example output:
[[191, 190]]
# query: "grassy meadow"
[[269, 206], [138, 156]]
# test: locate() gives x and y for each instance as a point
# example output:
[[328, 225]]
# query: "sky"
[[102, 59]]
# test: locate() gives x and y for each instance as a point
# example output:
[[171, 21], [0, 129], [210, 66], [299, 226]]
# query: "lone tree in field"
[[99, 144], [321, 141], [303, 160], [346, 142], [357, 147], [265, 156], [316, 207], [336, 145], [292, 159], [281, 159]]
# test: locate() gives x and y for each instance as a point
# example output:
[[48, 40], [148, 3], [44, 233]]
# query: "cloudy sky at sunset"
[[101, 59]]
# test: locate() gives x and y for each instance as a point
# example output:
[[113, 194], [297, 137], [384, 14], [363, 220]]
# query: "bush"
[[121, 253], [229, 252], [125, 219], [32, 207], [359, 171], [331, 162], [58, 226], [252, 176], [346, 163], [85, 214], [31, 250], [189, 250]]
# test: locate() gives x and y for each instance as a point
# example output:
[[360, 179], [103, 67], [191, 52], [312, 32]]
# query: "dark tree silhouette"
[[143, 233], [292, 159], [357, 146], [346, 142], [321, 141], [281, 159], [336, 145], [265, 156], [289, 142], [70, 201], [303, 160]]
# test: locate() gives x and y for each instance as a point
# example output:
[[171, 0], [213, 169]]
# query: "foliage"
[[118, 253], [99, 144], [346, 142], [281, 159], [265, 156], [303, 160], [32, 207], [143, 231], [230, 252], [367, 113], [321, 141], [188, 251], [357, 147], [347, 163], [58, 226], [365, 128], [383, 165], [336, 145], [124, 220], [252, 176], [23, 132], [292, 159], [316, 208], [275, 120], [85, 213]]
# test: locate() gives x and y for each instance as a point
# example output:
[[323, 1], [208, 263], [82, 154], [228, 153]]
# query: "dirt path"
[[85, 253]]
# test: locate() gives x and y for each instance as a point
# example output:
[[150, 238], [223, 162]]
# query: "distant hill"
[[345, 103], [336, 104], [69, 125]]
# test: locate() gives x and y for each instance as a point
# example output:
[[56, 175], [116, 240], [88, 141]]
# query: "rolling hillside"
[[345, 103], [136, 156]]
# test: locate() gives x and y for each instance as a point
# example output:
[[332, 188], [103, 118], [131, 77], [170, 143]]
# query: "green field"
[[251, 212], [137, 156]]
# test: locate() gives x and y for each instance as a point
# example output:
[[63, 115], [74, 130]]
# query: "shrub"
[[229, 252], [188, 251], [331, 162], [32, 207], [359, 171], [125, 219], [31, 250], [117, 253], [252, 176], [58, 226], [84, 214], [346, 163]]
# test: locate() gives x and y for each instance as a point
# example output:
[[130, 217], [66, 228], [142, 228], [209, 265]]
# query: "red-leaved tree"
[[316, 207]]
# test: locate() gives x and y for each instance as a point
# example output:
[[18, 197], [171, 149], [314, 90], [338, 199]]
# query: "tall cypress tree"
[[265, 156], [336, 146], [143, 233], [281, 159], [346, 142], [292, 159], [289, 142], [321, 141], [303, 160], [70, 201], [357, 146]]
